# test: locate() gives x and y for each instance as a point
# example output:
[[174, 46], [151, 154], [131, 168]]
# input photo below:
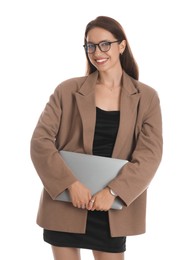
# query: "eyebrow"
[[99, 42]]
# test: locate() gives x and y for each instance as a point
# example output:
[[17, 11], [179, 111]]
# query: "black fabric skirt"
[[97, 236]]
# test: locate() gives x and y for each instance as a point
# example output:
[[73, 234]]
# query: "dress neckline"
[[107, 111]]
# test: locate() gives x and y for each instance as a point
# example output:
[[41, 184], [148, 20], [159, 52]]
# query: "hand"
[[80, 195], [102, 200]]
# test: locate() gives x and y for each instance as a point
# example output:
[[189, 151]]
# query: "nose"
[[97, 52]]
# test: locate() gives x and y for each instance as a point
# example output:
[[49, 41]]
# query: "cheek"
[[91, 60], [116, 56]]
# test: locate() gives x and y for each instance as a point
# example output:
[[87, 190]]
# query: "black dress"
[[97, 236]]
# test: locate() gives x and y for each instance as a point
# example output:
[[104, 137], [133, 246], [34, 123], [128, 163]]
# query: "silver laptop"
[[95, 172]]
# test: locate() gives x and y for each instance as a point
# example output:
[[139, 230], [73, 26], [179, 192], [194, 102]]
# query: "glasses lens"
[[104, 46], [90, 48]]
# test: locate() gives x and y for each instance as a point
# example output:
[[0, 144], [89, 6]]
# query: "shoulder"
[[148, 96], [143, 88], [134, 86], [83, 85], [71, 84], [68, 87], [147, 93]]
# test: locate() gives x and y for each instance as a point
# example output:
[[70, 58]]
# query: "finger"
[[92, 201], [77, 204], [91, 204]]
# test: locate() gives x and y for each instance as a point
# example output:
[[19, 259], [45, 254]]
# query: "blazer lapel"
[[86, 104], [128, 114]]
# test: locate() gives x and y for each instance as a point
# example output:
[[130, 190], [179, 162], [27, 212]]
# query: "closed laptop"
[[95, 172]]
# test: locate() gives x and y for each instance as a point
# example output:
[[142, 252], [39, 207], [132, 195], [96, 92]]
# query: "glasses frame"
[[98, 44]]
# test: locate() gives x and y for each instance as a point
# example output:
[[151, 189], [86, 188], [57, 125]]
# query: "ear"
[[122, 46]]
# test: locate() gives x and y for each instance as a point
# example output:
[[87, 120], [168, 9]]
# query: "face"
[[101, 59]]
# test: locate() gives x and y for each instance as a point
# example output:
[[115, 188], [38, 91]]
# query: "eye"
[[90, 46], [105, 44]]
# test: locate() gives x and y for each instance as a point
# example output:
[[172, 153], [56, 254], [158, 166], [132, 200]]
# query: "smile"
[[101, 61]]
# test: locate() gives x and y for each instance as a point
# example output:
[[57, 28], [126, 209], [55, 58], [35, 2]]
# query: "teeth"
[[102, 60]]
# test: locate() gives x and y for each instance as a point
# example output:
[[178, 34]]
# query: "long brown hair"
[[127, 60]]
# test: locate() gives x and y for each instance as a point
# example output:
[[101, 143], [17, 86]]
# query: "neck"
[[111, 81]]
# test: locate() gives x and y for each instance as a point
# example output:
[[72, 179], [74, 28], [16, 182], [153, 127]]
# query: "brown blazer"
[[68, 122]]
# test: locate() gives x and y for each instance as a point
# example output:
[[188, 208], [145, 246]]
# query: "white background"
[[40, 46]]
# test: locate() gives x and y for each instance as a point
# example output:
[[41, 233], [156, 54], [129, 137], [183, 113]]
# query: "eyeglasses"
[[103, 46]]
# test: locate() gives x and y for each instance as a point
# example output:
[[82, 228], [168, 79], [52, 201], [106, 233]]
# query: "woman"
[[108, 113]]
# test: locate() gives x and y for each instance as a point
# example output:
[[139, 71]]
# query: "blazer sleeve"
[[54, 174], [135, 177]]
